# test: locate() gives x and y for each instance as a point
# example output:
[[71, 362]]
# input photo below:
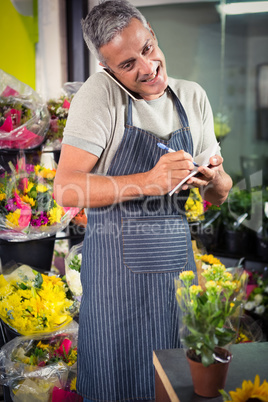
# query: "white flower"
[[250, 305], [266, 289], [260, 309], [258, 299], [266, 209]]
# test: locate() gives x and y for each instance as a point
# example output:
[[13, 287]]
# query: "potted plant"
[[210, 316]]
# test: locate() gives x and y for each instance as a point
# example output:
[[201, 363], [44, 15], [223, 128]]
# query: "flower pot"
[[208, 380], [236, 242], [36, 253], [262, 247]]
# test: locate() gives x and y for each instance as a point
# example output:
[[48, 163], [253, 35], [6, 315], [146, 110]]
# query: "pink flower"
[[25, 214], [60, 395], [8, 91], [66, 104], [15, 116], [7, 126], [64, 347]]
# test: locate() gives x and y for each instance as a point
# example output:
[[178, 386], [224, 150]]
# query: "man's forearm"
[[91, 190], [217, 190]]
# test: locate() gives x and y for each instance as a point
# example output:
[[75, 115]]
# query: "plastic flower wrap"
[[35, 303], [72, 270], [210, 309], [38, 368], [58, 111], [28, 209], [24, 118]]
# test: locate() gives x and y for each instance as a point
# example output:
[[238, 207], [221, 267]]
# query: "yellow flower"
[[41, 188], [195, 289], [187, 276], [73, 384], [2, 196], [250, 390], [194, 208], [3, 281], [30, 186], [29, 309], [28, 200], [13, 218], [55, 214], [211, 285], [210, 259], [48, 174]]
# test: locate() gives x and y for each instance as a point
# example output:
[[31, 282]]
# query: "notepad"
[[202, 160]]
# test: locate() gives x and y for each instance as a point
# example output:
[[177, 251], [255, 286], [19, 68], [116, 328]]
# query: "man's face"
[[136, 60]]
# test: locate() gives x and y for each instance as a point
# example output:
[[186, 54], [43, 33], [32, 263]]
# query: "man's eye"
[[127, 66], [147, 49]]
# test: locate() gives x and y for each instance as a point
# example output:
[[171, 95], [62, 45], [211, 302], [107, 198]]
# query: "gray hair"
[[105, 21]]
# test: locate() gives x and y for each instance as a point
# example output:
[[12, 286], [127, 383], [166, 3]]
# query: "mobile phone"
[[132, 94]]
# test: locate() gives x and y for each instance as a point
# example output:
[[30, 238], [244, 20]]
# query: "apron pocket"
[[154, 244]]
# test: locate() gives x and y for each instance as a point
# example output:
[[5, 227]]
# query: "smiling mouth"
[[152, 77]]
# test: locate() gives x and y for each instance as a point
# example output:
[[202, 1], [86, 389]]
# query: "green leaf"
[[22, 286], [38, 281]]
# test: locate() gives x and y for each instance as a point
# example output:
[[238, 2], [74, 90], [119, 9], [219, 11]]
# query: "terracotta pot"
[[208, 380]]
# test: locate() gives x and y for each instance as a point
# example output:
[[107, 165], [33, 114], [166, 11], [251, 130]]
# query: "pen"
[[163, 146]]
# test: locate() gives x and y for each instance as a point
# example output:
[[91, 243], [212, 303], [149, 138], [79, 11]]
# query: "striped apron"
[[132, 252]]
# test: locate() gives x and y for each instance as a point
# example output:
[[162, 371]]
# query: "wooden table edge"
[[164, 378]]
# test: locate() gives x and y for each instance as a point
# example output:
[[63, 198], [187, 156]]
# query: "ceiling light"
[[244, 7]]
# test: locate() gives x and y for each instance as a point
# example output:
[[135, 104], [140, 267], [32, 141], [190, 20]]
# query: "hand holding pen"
[[163, 146]]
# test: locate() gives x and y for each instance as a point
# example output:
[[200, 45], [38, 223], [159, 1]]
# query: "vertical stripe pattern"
[[132, 253]]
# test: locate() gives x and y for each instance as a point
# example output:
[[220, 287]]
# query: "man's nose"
[[146, 66]]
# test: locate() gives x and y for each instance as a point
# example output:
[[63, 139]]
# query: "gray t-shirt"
[[98, 114]]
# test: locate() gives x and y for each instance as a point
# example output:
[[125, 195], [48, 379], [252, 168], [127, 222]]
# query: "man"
[[137, 238]]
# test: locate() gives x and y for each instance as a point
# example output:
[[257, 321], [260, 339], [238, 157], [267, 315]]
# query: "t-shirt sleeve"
[[89, 122], [208, 123]]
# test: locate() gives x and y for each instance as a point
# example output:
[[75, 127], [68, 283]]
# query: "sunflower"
[[249, 391]]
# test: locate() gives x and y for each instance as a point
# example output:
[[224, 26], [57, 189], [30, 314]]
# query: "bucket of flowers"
[[41, 367], [210, 314], [28, 209], [34, 303]]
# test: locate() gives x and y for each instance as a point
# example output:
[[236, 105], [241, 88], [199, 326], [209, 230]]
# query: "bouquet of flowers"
[[32, 302], [72, 270], [28, 209], [256, 305], [39, 368], [209, 309], [24, 118], [194, 207], [58, 110]]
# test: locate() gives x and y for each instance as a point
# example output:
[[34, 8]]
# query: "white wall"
[[51, 52]]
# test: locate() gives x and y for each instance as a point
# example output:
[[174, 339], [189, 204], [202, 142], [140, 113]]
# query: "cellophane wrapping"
[[28, 210], [24, 117], [41, 367], [33, 302]]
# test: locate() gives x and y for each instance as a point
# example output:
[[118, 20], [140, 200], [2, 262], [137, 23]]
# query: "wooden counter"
[[173, 379]]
